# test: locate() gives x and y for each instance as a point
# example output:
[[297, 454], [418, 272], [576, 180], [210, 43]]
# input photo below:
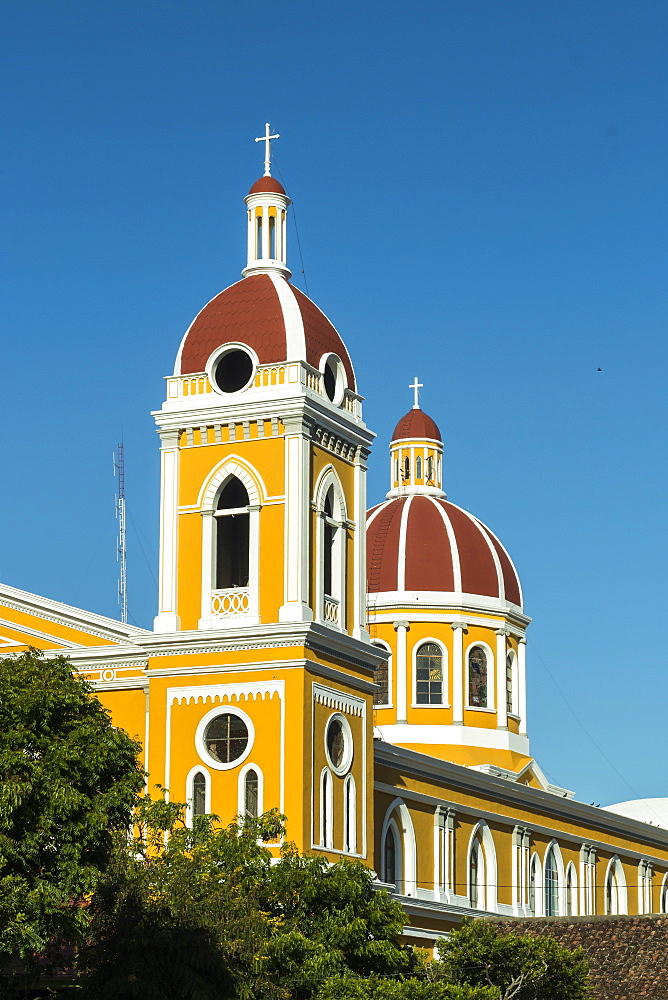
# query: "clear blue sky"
[[480, 189]]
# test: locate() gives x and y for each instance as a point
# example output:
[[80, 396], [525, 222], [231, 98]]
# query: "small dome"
[[425, 543], [269, 315], [269, 184], [416, 424]]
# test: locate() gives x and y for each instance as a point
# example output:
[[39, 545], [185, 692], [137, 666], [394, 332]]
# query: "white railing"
[[331, 610], [235, 601]]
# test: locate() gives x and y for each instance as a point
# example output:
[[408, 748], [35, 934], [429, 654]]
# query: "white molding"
[[405, 841], [67, 616], [246, 690], [615, 870], [447, 605], [338, 700], [408, 734]]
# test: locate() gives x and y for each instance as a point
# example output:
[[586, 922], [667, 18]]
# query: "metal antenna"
[[119, 470]]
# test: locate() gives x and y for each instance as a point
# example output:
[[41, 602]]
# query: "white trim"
[[491, 676], [350, 815], [570, 868], [454, 548], [561, 879], [663, 898], [295, 339], [326, 813], [536, 867], [349, 748], [341, 379], [409, 734], [445, 682], [197, 769], [482, 832], [619, 895], [407, 882], [215, 357], [199, 737], [401, 553], [241, 788], [231, 465]]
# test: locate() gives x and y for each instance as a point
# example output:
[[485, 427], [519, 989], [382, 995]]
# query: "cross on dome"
[[416, 386], [266, 139]]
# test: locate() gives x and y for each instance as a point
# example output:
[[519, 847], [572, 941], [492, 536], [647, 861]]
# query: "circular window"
[[339, 743], [334, 378], [224, 739], [232, 371]]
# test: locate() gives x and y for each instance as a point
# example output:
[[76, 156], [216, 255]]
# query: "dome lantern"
[[267, 207], [416, 454]]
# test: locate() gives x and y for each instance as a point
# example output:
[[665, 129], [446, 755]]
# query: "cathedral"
[[363, 671]]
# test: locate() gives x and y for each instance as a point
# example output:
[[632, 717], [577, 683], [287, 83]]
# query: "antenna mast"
[[119, 470]]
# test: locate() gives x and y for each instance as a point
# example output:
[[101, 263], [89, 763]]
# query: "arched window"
[[272, 237], [330, 539], [510, 687], [418, 468], [349, 816], [664, 895], [198, 794], [430, 471], [477, 677], [534, 879], [258, 238], [429, 674], [390, 857], [615, 888], [326, 809], [232, 536], [396, 470], [381, 675], [476, 876], [251, 793], [551, 885], [331, 546], [407, 469], [571, 892]]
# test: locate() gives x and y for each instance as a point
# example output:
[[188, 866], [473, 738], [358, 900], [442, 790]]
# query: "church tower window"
[[429, 674], [326, 809], [251, 793], [477, 677], [349, 816], [232, 536], [258, 237], [272, 237], [476, 876], [533, 885], [198, 794], [381, 676], [226, 738], [510, 693], [430, 471], [331, 553], [407, 469], [418, 468], [330, 539]]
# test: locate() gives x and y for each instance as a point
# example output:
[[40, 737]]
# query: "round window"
[[226, 738], [334, 378], [233, 370], [339, 743]]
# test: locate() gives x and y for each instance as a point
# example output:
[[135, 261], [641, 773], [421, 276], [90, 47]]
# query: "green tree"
[[521, 967], [68, 778], [379, 988], [204, 914]]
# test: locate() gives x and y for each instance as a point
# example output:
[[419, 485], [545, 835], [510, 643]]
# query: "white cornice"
[[67, 616]]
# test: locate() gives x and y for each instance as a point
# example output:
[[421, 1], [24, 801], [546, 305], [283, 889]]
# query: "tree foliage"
[[68, 778], [204, 914], [521, 967], [382, 988]]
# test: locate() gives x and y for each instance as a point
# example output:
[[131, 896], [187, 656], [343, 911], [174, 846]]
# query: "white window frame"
[[241, 789], [398, 855], [619, 895], [491, 677], [571, 872], [487, 887], [349, 815], [561, 880], [197, 769], [515, 710], [446, 674], [339, 521], [232, 467], [223, 708], [536, 867], [326, 815], [663, 900]]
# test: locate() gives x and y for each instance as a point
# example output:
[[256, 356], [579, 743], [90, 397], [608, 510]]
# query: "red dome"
[[267, 184], [425, 543], [269, 315], [416, 424]]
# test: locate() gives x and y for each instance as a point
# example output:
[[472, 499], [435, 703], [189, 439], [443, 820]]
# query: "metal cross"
[[415, 386], [266, 139]]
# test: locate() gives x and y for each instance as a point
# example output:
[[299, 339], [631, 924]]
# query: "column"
[[501, 653], [208, 582], [517, 871], [296, 554], [359, 548], [167, 620], [458, 673], [522, 684], [402, 628]]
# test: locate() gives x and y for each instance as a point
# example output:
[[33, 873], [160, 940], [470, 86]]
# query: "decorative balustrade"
[[331, 610], [235, 601], [269, 375]]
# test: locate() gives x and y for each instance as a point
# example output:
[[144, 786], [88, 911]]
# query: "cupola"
[[416, 454], [267, 205]]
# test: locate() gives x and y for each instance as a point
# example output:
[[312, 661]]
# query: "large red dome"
[[269, 315], [425, 543]]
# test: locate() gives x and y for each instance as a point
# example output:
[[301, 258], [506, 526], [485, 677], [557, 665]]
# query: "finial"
[[266, 139], [415, 386]]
